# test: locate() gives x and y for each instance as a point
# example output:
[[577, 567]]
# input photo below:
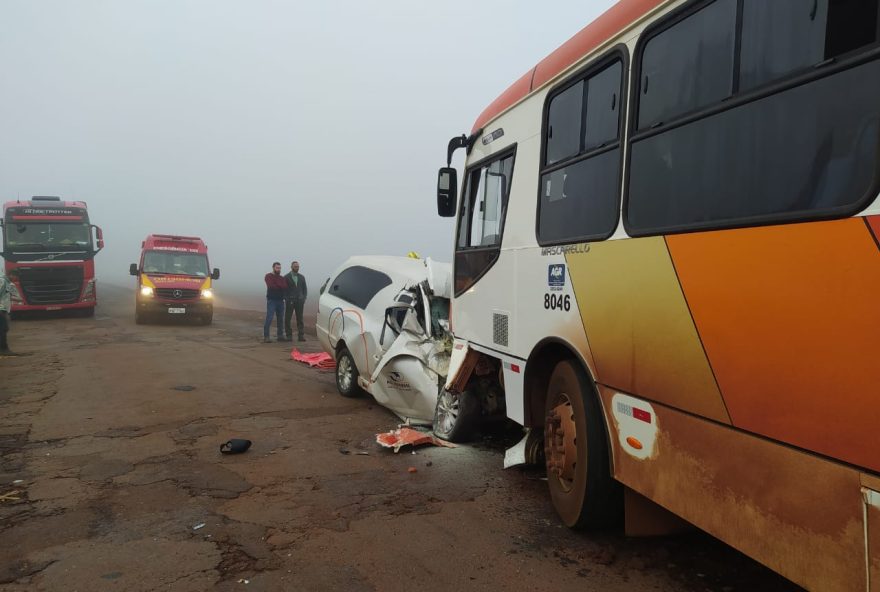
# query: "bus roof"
[[611, 23]]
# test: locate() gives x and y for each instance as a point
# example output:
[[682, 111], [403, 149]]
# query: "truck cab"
[[174, 279], [49, 248]]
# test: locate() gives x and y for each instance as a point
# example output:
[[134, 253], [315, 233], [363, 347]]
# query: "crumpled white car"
[[385, 320]]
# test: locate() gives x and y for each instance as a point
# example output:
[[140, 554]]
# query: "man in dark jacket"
[[275, 290], [295, 299]]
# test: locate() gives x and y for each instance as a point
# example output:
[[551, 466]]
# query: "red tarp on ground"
[[321, 360], [397, 439]]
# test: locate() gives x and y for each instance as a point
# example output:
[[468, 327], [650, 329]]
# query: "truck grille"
[[51, 285], [176, 294]]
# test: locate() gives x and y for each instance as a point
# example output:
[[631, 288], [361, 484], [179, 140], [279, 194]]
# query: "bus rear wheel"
[[583, 491]]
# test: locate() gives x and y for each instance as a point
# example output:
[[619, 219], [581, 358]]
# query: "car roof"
[[401, 268]]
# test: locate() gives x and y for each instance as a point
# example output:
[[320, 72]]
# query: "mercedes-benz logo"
[[177, 293]]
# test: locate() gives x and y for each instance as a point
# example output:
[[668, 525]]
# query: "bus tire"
[[456, 416], [583, 491], [347, 374]]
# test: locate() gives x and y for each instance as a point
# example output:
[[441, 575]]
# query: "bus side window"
[[579, 194]]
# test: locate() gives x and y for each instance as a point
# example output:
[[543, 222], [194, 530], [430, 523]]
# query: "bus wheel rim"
[[560, 443]]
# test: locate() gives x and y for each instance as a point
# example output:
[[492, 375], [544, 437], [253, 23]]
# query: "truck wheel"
[[456, 416], [576, 449], [347, 374], [87, 312]]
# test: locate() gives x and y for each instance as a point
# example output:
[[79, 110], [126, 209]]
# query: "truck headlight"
[[207, 294], [89, 291], [146, 291]]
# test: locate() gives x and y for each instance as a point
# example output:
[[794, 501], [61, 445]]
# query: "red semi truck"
[[174, 279], [49, 248]]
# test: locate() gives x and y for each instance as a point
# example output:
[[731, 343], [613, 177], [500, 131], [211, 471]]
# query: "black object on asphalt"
[[235, 446], [184, 387]]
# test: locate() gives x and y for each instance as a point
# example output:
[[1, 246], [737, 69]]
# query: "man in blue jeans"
[[276, 286]]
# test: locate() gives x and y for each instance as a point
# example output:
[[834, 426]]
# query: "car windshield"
[[48, 237], [176, 263]]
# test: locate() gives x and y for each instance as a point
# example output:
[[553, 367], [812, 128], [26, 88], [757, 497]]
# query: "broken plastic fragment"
[[397, 439], [199, 525]]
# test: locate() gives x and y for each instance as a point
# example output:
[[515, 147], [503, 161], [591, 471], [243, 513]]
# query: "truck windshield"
[[48, 237], [176, 263]]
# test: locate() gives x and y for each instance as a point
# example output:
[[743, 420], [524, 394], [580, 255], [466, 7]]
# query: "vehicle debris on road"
[[397, 439]]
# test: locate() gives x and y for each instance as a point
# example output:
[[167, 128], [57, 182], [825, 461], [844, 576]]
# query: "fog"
[[273, 130]]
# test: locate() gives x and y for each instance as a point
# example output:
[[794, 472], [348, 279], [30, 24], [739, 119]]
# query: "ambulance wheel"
[[139, 318], [456, 416], [347, 374], [208, 318], [583, 491]]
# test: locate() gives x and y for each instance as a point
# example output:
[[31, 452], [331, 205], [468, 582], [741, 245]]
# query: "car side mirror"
[[133, 269], [447, 192], [215, 275]]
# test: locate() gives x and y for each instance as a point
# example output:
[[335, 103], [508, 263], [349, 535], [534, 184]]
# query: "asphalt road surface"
[[111, 479]]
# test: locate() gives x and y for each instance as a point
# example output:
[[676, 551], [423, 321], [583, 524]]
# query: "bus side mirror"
[[216, 274], [447, 189], [133, 269]]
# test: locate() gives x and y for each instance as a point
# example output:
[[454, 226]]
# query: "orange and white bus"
[[667, 252]]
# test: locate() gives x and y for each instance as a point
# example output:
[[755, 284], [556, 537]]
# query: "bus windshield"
[[172, 262], [48, 237]]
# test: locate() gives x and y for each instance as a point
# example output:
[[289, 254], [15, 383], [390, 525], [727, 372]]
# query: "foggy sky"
[[273, 130]]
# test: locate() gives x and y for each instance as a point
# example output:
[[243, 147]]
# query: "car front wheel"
[[456, 416]]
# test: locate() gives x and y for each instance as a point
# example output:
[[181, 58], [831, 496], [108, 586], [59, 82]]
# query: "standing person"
[[295, 299], [275, 289], [8, 291]]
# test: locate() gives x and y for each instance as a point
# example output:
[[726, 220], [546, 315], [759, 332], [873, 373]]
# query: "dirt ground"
[[111, 479]]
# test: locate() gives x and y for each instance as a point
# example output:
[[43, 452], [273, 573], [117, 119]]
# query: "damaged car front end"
[[393, 340]]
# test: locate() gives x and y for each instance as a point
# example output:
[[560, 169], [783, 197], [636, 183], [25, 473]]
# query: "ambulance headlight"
[[146, 291], [207, 294]]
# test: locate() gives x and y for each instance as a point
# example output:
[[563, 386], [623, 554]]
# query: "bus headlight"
[[146, 291], [207, 294]]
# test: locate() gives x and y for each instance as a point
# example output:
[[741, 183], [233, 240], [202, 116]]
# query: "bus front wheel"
[[576, 448]]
